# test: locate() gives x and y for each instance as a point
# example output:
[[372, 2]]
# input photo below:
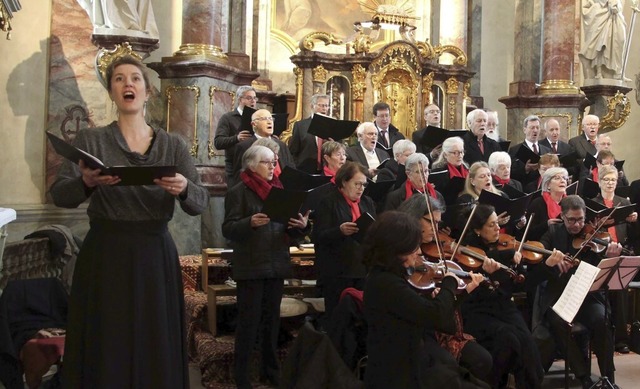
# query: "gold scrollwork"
[[359, 75], [307, 42], [451, 112], [426, 50], [319, 74], [465, 90], [461, 57], [196, 95], [452, 86], [618, 109], [399, 49], [427, 83], [105, 57]]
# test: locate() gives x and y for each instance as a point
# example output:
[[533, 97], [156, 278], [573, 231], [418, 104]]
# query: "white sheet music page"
[[576, 290]]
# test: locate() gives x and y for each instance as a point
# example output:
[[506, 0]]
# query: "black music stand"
[[615, 274]]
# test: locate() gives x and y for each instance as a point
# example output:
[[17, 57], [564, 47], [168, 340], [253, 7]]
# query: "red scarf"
[[258, 184], [409, 188], [500, 181], [553, 208], [330, 173], [594, 174], [277, 170], [611, 230], [354, 205], [457, 172]]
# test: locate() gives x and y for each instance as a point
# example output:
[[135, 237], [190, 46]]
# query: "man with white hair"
[[586, 142], [477, 146], [365, 152], [493, 126]]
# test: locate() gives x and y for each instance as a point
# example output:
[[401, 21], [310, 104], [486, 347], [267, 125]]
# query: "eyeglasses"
[[456, 153], [426, 171], [251, 98], [323, 105], [371, 134], [610, 180], [267, 163], [360, 185], [339, 154], [560, 178], [383, 116], [269, 118], [574, 220]]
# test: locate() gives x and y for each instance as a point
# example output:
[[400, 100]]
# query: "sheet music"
[[625, 272], [576, 290]]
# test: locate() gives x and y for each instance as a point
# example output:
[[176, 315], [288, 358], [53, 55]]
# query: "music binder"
[[377, 190], [280, 121], [294, 179], [387, 150], [282, 204], [568, 160], [572, 189], [434, 136], [383, 164], [363, 222], [245, 123], [129, 175], [595, 210], [325, 127], [525, 154], [515, 208]]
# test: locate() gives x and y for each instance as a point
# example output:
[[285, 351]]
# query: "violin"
[[468, 256], [425, 275], [532, 251], [594, 240]]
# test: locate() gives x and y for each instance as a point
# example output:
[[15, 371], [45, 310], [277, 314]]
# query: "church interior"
[[517, 58]]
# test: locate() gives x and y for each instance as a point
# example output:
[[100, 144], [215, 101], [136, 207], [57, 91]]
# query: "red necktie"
[[553, 146], [481, 146], [319, 144], [535, 148]]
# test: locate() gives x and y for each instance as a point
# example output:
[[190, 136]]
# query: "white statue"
[[122, 17], [604, 39]]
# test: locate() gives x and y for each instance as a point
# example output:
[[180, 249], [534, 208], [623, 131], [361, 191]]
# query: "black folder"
[[245, 124], [572, 189], [434, 136], [129, 175], [504, 145], [383, 164], [280, 121], [623, 191], [515, 208], [401, 177], [282, 204], [568, 160], [589, 161], [325, 127], [315, 196], [597, 210], [294, 179], [451, 190], [525, 154], [377, 191], [590, 188], [364, 222], [387, 150], [513, 193]]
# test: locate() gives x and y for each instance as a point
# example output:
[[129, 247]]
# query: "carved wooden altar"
[[408, 76]]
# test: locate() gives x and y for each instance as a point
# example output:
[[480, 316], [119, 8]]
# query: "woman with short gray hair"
[[500, 166], [546, 209], [417, 170]]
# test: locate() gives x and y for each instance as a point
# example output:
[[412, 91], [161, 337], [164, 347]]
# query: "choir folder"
[[129, 175]]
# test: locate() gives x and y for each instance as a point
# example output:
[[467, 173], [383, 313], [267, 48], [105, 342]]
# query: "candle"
[[331, 99], [341, 106]]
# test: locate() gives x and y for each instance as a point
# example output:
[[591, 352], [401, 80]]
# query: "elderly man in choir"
[[585, 143], [477, 146], [307, 148], [493, 126], [552, 138], [365, 152], [395, 168], [527, 171], [387, 133], [432, 117]]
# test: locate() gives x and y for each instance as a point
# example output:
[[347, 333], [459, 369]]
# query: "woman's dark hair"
[[393, 234], [480, 216], [416, 206], [127, 60], [347, 171]]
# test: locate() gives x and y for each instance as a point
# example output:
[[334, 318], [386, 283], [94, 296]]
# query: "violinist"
[[619, 299], [493, 318], [403, 353], [463, 347], [417, 169], [546, 209], [592, 312]]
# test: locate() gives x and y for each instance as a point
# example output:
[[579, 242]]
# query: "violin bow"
[[600, 225], [464, 231], [433, 223], [526, 231]]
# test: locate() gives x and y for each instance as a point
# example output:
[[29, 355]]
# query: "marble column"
[[453, 24], [558, 46], [201, 28]]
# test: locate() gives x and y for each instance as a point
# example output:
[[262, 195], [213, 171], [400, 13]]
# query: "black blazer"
[[540, 218], [355, 154], [582, 146], [394, 136], [518, 167], [284, 155], [338, 255], [303, 147], [472, 150], [226, 137], [563, 147]]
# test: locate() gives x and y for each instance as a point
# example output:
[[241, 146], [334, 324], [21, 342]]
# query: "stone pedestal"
[[608, 101]]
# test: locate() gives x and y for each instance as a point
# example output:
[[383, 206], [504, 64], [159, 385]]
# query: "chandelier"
[[392, 17]]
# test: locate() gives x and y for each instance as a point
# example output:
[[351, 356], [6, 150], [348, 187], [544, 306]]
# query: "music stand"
[[615, 274]]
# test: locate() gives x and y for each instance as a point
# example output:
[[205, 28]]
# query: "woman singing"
[[126, 310]]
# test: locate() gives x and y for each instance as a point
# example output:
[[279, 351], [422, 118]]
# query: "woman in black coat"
[[400, 355], [546, 208], [260, 262], [335, 234]]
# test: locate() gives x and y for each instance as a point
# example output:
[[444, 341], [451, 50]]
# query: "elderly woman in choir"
[[338, 253], [546, 162], [334, 155], [402, 149], [261, 262], [545, 210], [500, 165], [417, 169], [450, 164]]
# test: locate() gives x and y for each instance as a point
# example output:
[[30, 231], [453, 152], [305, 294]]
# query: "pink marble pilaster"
[[558, 40], [201, 22]]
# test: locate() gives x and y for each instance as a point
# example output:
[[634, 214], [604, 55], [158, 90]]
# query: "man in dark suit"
[[228, 133], [306, 148], [432, 117], [387, 133], [586, 143], [365, 152], [527, 171], [262, 124], [477, 145], [552, 138]]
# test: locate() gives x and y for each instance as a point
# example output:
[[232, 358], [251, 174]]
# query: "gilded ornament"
[[466, 89], [319, 74], [461, 57], [196, 94], [618, 109], [105, 57], [359, 75], [307, 42], [427, 82], [452, 86]]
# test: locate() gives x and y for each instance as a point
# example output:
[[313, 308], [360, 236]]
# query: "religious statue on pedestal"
[[122, 17], [604, 39]]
